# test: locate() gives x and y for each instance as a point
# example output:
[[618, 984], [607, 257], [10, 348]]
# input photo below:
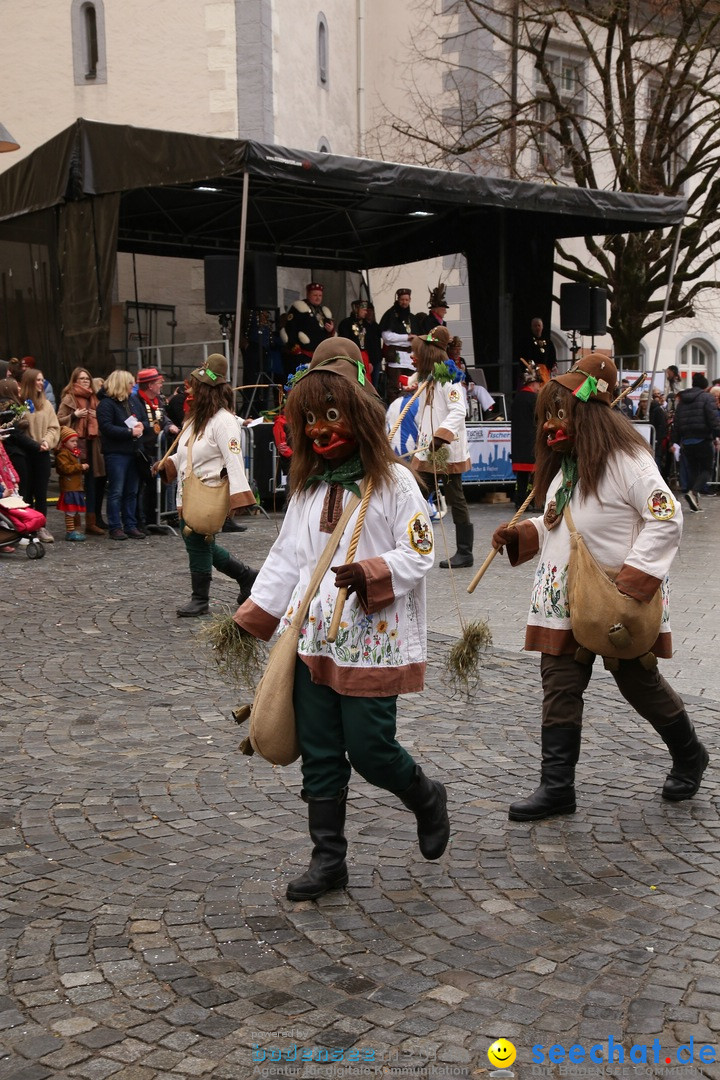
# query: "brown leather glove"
[[350, 576], [505, 536], [437, 443]]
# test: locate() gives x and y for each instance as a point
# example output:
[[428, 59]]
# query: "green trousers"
[[452, 489], [204, 556], [338, 733]]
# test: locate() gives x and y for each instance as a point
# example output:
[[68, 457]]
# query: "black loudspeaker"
[[263, 461], [598, 311], [221, 281], [583, 308], [261, 273]]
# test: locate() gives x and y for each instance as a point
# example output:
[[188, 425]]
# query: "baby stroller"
[[18, 521]]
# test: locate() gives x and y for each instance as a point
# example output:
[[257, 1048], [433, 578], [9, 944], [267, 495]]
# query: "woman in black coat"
[[119, 443]]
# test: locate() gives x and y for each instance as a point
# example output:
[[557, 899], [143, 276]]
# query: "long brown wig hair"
[[599, 432], [206, 401], [430, 349], [365, 413]]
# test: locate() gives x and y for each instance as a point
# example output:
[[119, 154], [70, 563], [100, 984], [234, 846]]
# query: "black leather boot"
[[327, 869], [243, 574], [690, 758], [428, 801], [464, 536], [199, 602], [556, 793], [231, 525]]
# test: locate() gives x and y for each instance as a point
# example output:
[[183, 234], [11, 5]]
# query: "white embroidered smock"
[[219, 447], [442, 413], [634, 525], [380, 650]]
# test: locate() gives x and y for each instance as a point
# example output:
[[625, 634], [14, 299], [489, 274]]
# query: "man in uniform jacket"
[[308, 322], [396, 328], [539, 350], [366, 335], [437, 306]]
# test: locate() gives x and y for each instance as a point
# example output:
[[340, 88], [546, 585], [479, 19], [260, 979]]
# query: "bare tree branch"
[[615, 94]]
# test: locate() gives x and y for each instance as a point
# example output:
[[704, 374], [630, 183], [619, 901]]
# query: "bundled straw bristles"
[[438, 459], [463, 662], [238, 655]]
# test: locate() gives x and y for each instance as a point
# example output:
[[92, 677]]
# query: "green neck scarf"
[[345, 474], [564, 493]]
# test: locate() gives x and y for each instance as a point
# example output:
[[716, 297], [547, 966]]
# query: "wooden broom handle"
[[164, 458], [405, 408], [513, 521], [516, 517]]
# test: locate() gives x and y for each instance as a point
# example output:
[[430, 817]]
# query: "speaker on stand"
[[583, 310]]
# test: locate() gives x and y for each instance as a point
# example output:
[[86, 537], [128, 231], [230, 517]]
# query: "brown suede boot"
[[92, 528]]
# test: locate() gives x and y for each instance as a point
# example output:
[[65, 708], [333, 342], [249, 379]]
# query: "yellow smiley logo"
[[502, 1054]]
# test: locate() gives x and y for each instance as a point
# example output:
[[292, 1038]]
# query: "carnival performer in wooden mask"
[[345, 693], [590, 455], [441, 423]]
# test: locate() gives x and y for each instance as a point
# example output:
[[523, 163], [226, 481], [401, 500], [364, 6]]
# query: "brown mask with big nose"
[[331, 434], [557, 423]]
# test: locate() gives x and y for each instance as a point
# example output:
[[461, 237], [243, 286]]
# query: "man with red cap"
[[396, 330], [308, 322], [148, 405]]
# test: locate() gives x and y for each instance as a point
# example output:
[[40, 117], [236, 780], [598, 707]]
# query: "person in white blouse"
[[345, 691], [589, 455], [216, 449]]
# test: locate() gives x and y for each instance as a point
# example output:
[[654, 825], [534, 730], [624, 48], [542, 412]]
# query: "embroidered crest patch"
[[421, 534], [453, 395], [661, 505], [234, 446]]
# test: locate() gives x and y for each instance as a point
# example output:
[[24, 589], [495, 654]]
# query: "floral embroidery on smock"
[[550, 592]]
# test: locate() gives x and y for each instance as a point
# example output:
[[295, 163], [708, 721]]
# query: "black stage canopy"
[[114, 187]]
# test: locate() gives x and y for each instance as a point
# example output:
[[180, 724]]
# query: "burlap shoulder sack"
[[603, 619], [272, 718], [205, 505]]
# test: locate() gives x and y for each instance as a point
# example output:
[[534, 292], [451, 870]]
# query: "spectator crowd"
[[103, 436]]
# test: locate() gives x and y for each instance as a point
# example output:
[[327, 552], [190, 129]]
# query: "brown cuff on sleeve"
[[637, 583], [242, 498], [528, 544], [445, 434], [256, 620], [169, 472], [378, 585]]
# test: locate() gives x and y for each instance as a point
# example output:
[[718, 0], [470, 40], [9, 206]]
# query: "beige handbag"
[[603, 619], [272, 719], [204, 505]]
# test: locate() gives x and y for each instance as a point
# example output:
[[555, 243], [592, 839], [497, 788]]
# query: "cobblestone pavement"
[[144, 930]]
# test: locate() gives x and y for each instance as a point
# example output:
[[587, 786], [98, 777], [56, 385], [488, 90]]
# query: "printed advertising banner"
[[489, 454]]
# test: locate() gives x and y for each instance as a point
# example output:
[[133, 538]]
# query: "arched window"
[[88, 38], [91, 41], [322, 51], [697, 355]]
